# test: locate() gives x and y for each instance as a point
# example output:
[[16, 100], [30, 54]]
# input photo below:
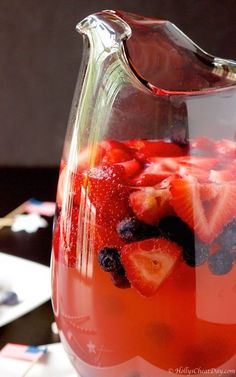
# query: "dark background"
[[40, 57]]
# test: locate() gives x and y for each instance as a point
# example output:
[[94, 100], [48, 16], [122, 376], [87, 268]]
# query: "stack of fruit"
[[156, 204]]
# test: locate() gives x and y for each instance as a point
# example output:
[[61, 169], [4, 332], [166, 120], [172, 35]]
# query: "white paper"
[[53, 364], [31, 281]]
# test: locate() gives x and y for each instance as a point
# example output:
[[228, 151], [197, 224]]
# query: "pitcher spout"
[[104, 28]]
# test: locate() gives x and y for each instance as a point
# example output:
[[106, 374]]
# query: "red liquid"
[[190, 321]]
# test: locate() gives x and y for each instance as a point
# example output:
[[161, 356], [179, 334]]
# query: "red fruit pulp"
[[189, 320]]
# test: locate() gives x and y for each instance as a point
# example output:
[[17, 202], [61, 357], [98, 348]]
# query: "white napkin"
[[54, 364]]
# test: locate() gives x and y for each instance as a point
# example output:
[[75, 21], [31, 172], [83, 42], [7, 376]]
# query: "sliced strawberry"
[[221, 176], [148, 263], [90, 157], [226, 148], [203, 143], [135, 144], [205, 163], [170, 164], [66, 232], [108, 194], [56, 239], [60, 186], [159, 148], [132, 167], [106, 237], [115, 151], [188, 206], [207, 220], [153, 174], [73, 186], [222, 209], [208, 191], [200, 174], [231, 165], [76, 184], [150, 205]]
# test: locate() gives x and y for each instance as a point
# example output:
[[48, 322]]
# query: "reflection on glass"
[[144, 244]]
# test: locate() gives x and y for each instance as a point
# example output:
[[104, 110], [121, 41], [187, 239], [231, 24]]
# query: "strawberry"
[[115, 151], [205, 163], [89, 157], [231, 166], [200, 174], [65, 237], [148, 263], [150, 205], [208, 191], [106, 237], [56, 239], [60, 186], [73, 189], [170, 164], [106, 191], [207, 220], [158, 148], [135, 144], [203, 144], [132, 167], [153, 174], [221, 176], [76, 184], [226, 148]]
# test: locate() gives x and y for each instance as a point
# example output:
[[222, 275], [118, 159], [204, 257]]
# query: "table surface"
[[16, 186]]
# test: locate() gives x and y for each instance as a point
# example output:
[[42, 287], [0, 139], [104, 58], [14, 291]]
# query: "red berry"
[[226, 148], [132, 167], [205, 163], [203, 143], [148, 263], [56, 239], [208, 219], [89, 157], [221, 176], [158, 148], [106, 237], [107, 192], [115, 151], [73, 192], [150, 205]]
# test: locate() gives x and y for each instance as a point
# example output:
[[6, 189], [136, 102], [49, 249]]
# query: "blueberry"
[[233, 255], [119, 279], [174, 229], [132, 229], [228, 237], [195, 254], [201, 253], [220, 263], [109, 259], [189, 255]]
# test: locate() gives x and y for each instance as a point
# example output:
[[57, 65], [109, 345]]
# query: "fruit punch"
[[144, 256]]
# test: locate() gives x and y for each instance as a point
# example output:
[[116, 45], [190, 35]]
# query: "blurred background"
[[40, 58]]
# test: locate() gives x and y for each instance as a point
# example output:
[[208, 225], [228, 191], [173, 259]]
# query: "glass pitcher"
[[144, 246]]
